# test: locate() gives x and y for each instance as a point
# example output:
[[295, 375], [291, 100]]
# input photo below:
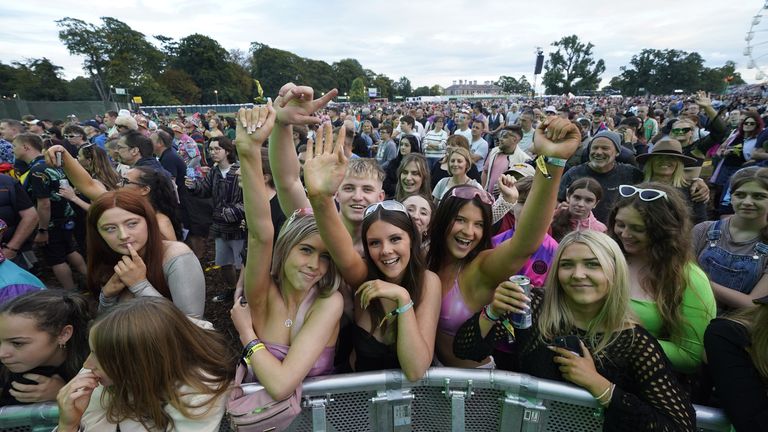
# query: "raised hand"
[[50, 155], [556, 137], [702, 99], [507, 188], [295, 104], [131, 268], [325, 164], [253, 128], [74, 398]]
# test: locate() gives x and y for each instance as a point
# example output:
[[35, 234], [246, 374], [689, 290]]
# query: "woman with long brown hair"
[[670, 294], [128, 256], [150, 368]]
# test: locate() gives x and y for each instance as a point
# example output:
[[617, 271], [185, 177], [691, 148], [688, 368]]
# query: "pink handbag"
[[258, 412]]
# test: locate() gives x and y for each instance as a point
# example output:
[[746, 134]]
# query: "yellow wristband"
[[252, 351]]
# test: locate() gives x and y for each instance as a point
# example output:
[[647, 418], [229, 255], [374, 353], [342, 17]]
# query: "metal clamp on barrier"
[[392, 410], [318, 405], [458, 398]]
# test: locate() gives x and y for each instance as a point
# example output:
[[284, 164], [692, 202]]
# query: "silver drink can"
[[64, 182], [522, 320]]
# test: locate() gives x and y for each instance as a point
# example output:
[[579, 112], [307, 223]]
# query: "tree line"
[[197, 69]]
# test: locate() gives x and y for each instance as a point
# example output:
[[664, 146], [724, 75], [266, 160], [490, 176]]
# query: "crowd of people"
[[388, 236]]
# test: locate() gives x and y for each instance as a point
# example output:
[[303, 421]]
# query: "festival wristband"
[[488, 314], [395, 312], [252, 350]]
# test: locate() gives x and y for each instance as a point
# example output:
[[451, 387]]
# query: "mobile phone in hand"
[[570, 342]]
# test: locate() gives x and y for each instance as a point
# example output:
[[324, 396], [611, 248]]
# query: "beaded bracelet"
[[395, 312]]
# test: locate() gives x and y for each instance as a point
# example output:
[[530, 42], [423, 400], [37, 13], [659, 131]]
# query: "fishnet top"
[[647, 395]]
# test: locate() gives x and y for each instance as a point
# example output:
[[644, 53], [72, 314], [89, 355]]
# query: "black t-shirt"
[[175, 166], [43, 182], [13, 199]]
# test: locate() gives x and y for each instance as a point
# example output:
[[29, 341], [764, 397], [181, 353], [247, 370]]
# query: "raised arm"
[[77, 175], [324, 172], [294, 105], [557, 138], [253, 128]]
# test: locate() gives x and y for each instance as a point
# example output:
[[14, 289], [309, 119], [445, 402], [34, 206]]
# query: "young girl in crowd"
[[670, 294], [420, 207], [43, 343], [737, 358], [397, 301], [440, 169], [293, 304], [413, 176], [460, 239], [128, 256], [459, 161], [586, 298], [576, 215], [155, 185], [733, 251], [409, 144], [149, 368]]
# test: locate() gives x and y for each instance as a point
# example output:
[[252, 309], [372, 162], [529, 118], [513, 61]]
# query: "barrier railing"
[[446, 399]]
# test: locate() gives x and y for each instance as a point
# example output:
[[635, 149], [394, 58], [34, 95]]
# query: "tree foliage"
[[115, 54], [664, 71], [402, 87], [511, 85], [345, 71], [572, 68], [358, 92]]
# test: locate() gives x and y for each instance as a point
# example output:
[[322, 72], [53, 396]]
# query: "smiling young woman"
[[585, 300]]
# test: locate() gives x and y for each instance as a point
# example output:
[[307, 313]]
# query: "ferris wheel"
[[757, 44]]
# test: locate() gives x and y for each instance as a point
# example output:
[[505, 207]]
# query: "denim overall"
[[737, 272]]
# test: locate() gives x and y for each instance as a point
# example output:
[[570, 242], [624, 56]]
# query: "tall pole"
[[537, 69], [216, 92]]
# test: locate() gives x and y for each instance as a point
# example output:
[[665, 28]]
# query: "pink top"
[[453, 310]]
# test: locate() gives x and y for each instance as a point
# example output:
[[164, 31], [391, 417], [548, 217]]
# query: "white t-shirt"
[[480, 148]]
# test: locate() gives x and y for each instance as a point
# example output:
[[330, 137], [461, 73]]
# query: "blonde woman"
[[459, 162], [583, 332]]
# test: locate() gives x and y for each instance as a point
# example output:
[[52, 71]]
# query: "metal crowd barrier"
[[446, 399]]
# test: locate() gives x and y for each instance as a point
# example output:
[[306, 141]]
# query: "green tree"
[[181, 86], [114, 53], [81, 89], [39, 80], [421, 91], [508, 84], [436, 90], [402, 87], [664, 71], [346, 70], [357, 92], [572, 67], [385, 86]]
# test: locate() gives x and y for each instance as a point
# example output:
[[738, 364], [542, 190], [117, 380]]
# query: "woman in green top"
[[670, 294]]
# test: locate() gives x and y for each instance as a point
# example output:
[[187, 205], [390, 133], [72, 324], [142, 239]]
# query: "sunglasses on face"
[[386, 205], [646, 195], [681, 131], [470, 192]]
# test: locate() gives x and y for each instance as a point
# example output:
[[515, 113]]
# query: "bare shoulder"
[[174, 249], [432, 283]]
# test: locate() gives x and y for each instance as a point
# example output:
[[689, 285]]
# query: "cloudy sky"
[[429, 42]]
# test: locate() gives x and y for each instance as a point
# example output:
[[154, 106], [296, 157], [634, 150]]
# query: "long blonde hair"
[[556, 319], [755, 319]]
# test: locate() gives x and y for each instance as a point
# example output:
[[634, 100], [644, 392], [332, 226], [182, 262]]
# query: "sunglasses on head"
[[645, 194], [470, 192], [301, 212], [386, 205], [681, 131]]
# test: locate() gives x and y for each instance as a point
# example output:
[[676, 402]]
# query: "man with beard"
[[602, 166]]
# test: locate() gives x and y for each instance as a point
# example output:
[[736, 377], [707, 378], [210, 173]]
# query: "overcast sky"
[[429, 42]]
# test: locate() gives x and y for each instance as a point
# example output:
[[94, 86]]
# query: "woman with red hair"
[[128, 257]]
